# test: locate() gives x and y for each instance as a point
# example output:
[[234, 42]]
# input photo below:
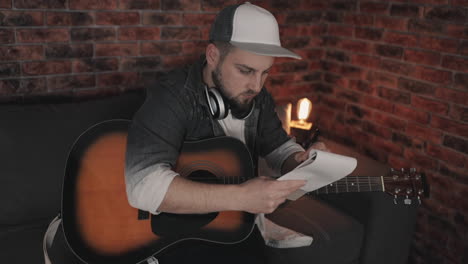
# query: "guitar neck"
[[353, 184]]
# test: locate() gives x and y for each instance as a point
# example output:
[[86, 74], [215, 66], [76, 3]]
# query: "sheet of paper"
[[320, 169]]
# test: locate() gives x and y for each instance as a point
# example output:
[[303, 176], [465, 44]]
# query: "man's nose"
[[255, 82]]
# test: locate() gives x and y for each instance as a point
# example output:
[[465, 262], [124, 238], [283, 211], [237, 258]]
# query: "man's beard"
[[238, 109]]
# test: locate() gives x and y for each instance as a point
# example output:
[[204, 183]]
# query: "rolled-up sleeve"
[[153, 143], [148, 193], [277, 157]]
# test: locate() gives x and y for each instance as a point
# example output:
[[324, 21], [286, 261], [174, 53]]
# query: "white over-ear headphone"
[[219, 107]]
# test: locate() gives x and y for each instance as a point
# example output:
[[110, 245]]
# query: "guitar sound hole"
[[203, 176], [170, 225]]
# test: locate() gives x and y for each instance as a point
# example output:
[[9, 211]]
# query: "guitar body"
[[101, 227]]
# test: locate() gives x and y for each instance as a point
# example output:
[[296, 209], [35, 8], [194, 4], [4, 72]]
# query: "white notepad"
[[320, 169]]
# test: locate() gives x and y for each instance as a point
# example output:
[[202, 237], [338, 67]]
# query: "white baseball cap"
[[251, 28]]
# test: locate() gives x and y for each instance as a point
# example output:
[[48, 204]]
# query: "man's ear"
[[212, 55]]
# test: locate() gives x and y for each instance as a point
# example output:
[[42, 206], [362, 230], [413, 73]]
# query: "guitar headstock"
[[406, 184]]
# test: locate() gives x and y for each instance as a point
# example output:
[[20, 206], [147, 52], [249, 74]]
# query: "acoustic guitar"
[[101, 227]]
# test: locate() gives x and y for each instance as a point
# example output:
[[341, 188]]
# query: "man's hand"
[[302, 156], [264, 194]]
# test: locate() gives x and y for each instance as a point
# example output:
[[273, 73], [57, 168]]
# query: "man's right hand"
[[263, 194]]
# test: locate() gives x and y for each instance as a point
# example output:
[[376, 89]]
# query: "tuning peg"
[[408, 201], [395, 199], [419, 200]]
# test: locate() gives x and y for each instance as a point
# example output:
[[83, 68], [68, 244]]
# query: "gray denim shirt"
[[176, 110]]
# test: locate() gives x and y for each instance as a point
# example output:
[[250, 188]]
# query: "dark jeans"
[[337, 238], [250, 251]]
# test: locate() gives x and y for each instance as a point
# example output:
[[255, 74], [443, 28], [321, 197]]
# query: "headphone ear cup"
[[218, 106]]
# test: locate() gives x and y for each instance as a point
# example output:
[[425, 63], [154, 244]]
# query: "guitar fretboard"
[[353, 184]]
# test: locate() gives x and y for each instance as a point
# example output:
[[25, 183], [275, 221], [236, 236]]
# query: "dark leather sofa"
[[35, 138]]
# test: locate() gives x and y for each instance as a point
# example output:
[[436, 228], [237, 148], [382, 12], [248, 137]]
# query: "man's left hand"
[[302, 156]]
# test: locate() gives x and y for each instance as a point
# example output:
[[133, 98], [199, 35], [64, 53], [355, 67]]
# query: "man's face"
[[240, 77]]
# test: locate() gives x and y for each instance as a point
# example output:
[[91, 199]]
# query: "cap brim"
[[266, 49]]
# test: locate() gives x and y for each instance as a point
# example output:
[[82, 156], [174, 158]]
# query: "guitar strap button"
[[152, 260]]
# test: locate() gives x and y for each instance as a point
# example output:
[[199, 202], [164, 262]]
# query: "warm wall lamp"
[[304, 107]]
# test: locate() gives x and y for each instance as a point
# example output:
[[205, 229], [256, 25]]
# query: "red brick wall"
[[395, 86], [389, 78], [75, 48], [70, 48]]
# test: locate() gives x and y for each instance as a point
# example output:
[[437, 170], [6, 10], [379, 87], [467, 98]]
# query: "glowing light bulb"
[[304, 107]]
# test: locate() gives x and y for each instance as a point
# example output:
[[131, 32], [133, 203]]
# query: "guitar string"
[[347, 184], [356, 179]]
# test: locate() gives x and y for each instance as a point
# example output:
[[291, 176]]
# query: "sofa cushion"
[[35, 140], [23, 244]]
